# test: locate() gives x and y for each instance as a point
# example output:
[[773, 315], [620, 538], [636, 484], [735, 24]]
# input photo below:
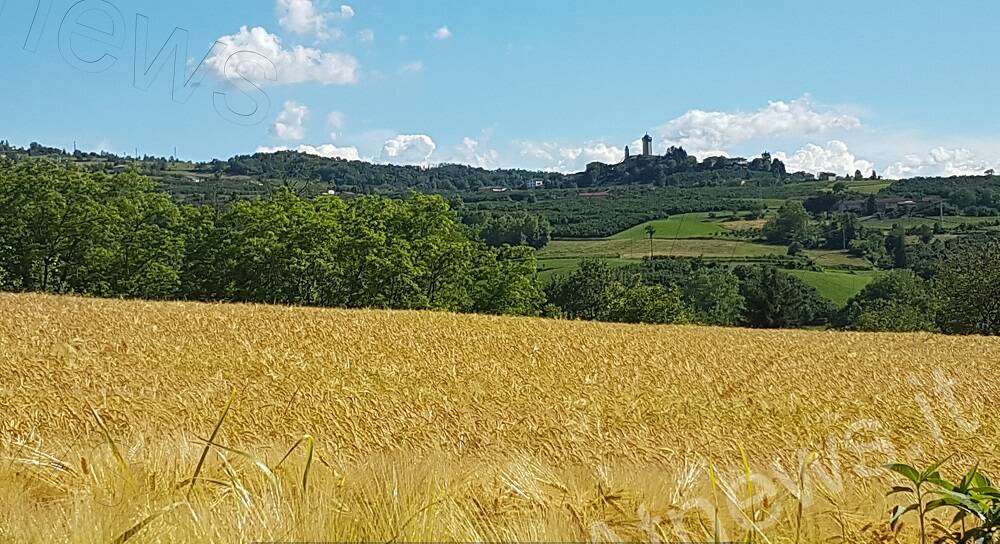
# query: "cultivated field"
[[638, 249], [839, 287], [426, 426], [690, 225]]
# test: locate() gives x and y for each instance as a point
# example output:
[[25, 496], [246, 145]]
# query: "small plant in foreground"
[[976, 500], [918, 479]]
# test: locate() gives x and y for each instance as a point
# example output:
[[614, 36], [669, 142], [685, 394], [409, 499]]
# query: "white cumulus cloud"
[[251, 49], [328, 151], [707, 133], [408, 149], [471, 152], [442, 33], [940, 161], [301, 17], [561, 157], [306, 18], [834, 157], [290, 124]]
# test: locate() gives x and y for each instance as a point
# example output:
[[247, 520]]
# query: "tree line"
[[66, 230]]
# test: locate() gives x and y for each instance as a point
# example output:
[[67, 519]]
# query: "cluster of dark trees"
[[511, 229], [689, 291], [957, 294]]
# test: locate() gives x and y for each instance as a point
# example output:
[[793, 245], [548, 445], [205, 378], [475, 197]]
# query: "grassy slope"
[[691, 225], [477, 428], [837, 259], [549, 268], [836, 286]]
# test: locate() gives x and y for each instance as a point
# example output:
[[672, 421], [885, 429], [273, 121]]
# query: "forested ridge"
[[676, 168]]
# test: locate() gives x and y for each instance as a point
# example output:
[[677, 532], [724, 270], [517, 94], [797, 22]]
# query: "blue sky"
[[903, 87]]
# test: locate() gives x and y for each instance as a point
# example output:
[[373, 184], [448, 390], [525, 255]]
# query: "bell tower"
[[647, 145]]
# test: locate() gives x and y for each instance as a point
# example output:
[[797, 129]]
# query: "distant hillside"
[[675, 169], [252, 174], [367, 177]]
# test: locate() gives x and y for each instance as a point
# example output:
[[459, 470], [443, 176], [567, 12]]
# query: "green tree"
[[505, 282], [790, 225], [848, 230], [871, 205], [926, 233], [776, 300], [713, 294], [872, 247], [650, 232], [585, 293], [898, 301], [441, 253], [143, 254], [596, 292], [968, 286], [652, 304], [52, 220], [893, 317], [516, 229], [963, 198], [895, 245], [200, 278], [280, 250]]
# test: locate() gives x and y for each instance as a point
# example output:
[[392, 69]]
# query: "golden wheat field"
[[371, 426]]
